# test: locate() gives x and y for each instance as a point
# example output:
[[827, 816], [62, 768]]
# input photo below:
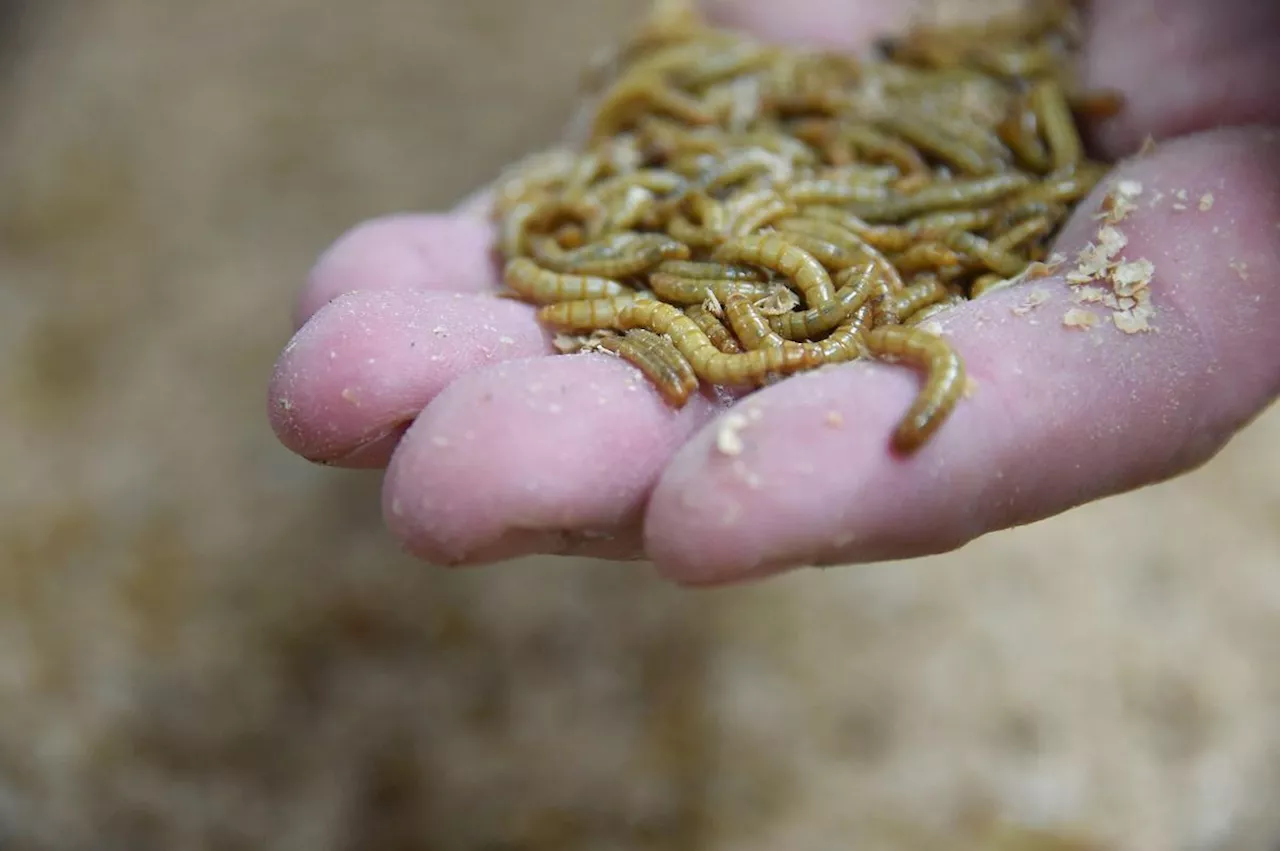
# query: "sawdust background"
[[206, 643]]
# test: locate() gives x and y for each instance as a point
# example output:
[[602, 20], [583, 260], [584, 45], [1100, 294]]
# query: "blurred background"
[[207, 643]]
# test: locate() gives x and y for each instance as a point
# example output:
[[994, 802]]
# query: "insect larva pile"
[[741, 211]]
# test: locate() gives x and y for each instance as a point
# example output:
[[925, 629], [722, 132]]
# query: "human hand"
[[495, 447]]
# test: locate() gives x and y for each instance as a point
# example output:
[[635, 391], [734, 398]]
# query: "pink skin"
[[496, 448]]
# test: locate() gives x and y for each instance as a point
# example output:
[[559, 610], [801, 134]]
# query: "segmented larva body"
[[944, 378], [591, 314], [709, 271], [773, 252], [678, 290], [708, 362], [897, 308], [817, 321], [615, 256], [720, 336], [543, 286], [658, 359], [750, 327]]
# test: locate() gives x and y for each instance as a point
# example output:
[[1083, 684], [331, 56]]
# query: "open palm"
[[496, 447]]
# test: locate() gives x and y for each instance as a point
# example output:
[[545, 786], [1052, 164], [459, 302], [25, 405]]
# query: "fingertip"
[[407, 252], [367, 363]]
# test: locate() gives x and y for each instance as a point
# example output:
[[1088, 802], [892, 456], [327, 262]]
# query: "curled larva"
[[720, 336], [776, 253], [660, 362], [708, 362], [749, 326], [944, 378], [858, 288]]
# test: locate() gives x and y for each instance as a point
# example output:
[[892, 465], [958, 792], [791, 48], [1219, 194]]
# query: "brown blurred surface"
[[206, 643]]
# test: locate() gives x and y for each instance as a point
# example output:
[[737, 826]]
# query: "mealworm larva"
[[708, 362], [1063, 187], [845, 343], [680, 290], [932, 138], [720, 336], [714, 221], [944, 382], [712, 68], [1049, 103], [585, 170], [775, 253], [655, 356], [703, 271], [830, 255], [590, 314], [750, 327], [751, 210], [1021, 132], [634, 205], [657, 181], [874, 144], [742, 166], [820, 235], [1027, 230], [924, 256], [514, 228], [944, 195], [990, 282], [880, 237], [543, 286], [543, 213], [983, 251], [638, 94], [939, 225], [895, 309], [694, 236], [792, 152], [709, 211], [615, 256], [829, 231], [536, 174], [826, 191], [926, 313], [758, 216], [850, 298]]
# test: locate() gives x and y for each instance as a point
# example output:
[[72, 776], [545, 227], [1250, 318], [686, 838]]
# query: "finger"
[[1058, 416], [818, 23], [364, 366], [1183, 66], [553, 455], [437, 252]]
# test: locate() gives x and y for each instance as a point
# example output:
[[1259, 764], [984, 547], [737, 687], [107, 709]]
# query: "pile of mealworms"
[[741, 211]]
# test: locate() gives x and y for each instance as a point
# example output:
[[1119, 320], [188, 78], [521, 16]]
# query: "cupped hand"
[[496, 447]]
